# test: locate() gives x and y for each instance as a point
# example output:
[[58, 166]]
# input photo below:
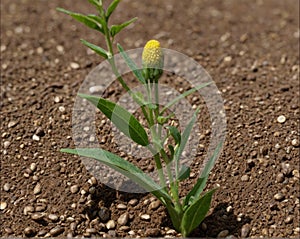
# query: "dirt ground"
[[251, 50]]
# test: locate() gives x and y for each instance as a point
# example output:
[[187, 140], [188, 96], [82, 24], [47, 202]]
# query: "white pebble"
[[98, 89], [295, 142], [60, 48], [145, 217], [35, 137], [3, 205], [74, 65], [281, 119], [62, 109], [6, 144]]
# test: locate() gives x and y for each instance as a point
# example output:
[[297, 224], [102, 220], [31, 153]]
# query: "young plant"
[[188, 212]]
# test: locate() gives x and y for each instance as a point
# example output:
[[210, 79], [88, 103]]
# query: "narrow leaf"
[[184, 173], [111, 8], [96, 3], [121, 118], [136, 71], [91, 21], [124, 167], [115, 29], [175, 217], [175, 134], [195, 213], [100, 51], [183, 95]]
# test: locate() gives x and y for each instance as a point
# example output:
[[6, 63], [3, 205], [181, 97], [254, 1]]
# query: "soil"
[[251, 50]]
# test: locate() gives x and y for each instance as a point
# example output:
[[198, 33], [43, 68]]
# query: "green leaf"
[[174, 215], [195, 213], [184, 173], [91, 21], [96, 3], [200, 185], [100, 51], [171, 149], [185, 135], [175, 134], [137, 72], [111, 8], [124, 167], [121, 118], [183, 95], [115, 29]]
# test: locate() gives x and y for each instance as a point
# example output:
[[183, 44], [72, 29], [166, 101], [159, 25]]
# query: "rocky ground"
[[251, 50]]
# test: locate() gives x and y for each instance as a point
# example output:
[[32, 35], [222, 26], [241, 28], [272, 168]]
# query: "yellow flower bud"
[[153, 60]]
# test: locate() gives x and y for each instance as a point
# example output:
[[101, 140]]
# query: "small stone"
[[124, 228], [74, 189], [37, 189], [133, 202], [286, 168], [245, 230], [92, 181], [121, 206], [91, 231], [203, 226], [41, 208], [56, 231], [229, 209], [29, 231], [295, 173], [154, 205], [12, 124], [37, 216], [110, 224], [8, 230], [98, 89], [288, 220], [123, 219], [32, 167], [295, 142], [60, 48], [278, 196], [74, 65], [28, 209], [171, 232], [35, 137], [280, 178], [57, 99], [281, 119], [227, 59], [145, 217], [245, 178], [6, 187], [3, 205], [152, 232], [53, 217], [61, 109], [104, 214], [6, 144], [223, 233]]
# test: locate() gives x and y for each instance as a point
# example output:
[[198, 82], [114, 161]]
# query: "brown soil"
[[251, 50]]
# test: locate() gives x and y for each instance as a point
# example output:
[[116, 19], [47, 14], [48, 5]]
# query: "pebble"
[[12, 124], [98, 89], [8, 230], [40, 208], [37, 216], [28, 209], [60, 48], [32, 167], [91, 231], [154, 205], [288, 220], [203, 226], [286, 168], [223, 233], [57, 99], [278, 196], [296, 173], [6, 144], [121, 206], [124, 228], [53, 217], [37, 189], [74, 189], [29, 231], [281, 119], [56, 231], [104, 214], [245, 230], [35, 137], [61, 109], [133, 202], [171, 232], [3, 205], [123, 219], [152, 232], [145, 217], [295, 142], [245, 178], [74, 65], [6, 187], [110, 224], [280, 178], [92, 181]]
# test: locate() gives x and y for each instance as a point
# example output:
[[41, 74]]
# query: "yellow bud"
[[152, 55]]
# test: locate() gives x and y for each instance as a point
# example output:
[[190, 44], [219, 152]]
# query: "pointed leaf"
[[96, 3], [175, 134], [100, 51], [183, 95], [126, 168], [184, 172], [195, 213], [115, 29], [91, 21], [121, 118], [111, 8], [136, 71]]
